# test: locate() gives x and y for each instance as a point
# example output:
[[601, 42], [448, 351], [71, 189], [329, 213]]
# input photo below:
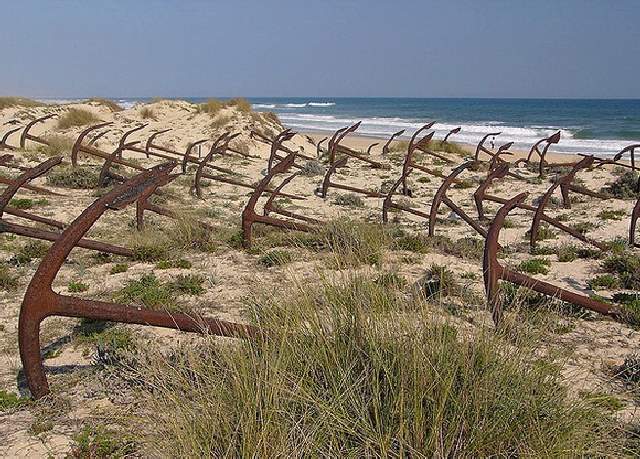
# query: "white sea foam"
[[471, 133]]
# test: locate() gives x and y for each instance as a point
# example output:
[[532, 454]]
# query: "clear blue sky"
[[510, 48]]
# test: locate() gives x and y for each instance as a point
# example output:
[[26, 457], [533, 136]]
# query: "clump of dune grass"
[[214, 106], [59, 145], [81, 177], [624, 186], [76, 117], [8, 281], [12, 101], [147, 113], [346, 372], [111, 105], [354, 243], [220, 121]]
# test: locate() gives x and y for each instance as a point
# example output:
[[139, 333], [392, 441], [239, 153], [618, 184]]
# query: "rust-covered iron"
[[389, 204], [21, 181], [450, 133], [344, 150], [564, 183], [271, 206], [494, 272], [276, 145], [327, 183], [219, 146], [249, 214], [630, 150], [441, 198], [409, 162], [551, 140], [40, 301], [4, 142], [319, 151], [34, 138], [386, 147], [480, 148], [500, 172], [36, 233], [635, 215], [264, 139], [5, 161], [337, 137]]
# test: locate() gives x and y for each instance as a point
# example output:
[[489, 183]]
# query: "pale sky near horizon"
[[457, 48]]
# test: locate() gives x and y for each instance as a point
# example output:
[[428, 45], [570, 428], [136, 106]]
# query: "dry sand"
[[592, 347]]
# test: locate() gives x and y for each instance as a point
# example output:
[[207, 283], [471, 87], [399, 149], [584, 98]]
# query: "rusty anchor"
[[34, 138], [337, 137], [389, 204], [500, 172], [249, 214], [494, 272], [40, 301], [480, 148], [327, 183], [386, 147], [4, 142], [450, 133]]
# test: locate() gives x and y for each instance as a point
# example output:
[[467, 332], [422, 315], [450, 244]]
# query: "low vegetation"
[[275, 258], [624, 187], [535, 266], [76, 117], [111, 105], [362, 380], [348, 200], [81, 177], [59, 145], [10, 101], [147, 113], [214, 106]]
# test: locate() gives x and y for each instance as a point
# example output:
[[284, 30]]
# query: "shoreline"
[[362, 141]]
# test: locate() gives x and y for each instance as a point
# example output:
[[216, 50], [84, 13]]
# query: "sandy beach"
[[593, 344]]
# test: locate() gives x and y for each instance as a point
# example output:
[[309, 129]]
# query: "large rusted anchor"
[[564, 183], [249, 214], [441, 198], [36, 233], [40, 301], [494, 272], [480, 148], [264, 139], [450, 133], [337, 137], [385, 147], [276, 145], [270, 205], [34, 138], [4, 142], [631, 151], [5, 161], [327, 183], [219, 147], [388, 203], [409, 162], [500, 172], [551, 140]]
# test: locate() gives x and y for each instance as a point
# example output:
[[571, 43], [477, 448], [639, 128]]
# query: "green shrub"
[[189, 284], [77, 287], [119, 268], [439, 281], [81, 177], [604, 281], [349, 200], [275, 258], [11, 401], [354, 242], [59, 145], [624, 187], [29, 251], [626, 266], [412, 243], [100, 442], [180, 263], [610, 214], [76, 117], [534, 266], [566, 253], [101, 333], [8, 282], [149, 292]]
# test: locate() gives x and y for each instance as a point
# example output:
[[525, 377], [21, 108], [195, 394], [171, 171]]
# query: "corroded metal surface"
[[480, 148], [34, 138], [4, 142], [494, 272], [327, 183], [385, 147], [249, 214], [40, 301]]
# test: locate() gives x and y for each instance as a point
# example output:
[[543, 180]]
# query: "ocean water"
[[600, 127]]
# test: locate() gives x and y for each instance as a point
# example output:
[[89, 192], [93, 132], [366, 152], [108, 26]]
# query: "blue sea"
[[588, 125]]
